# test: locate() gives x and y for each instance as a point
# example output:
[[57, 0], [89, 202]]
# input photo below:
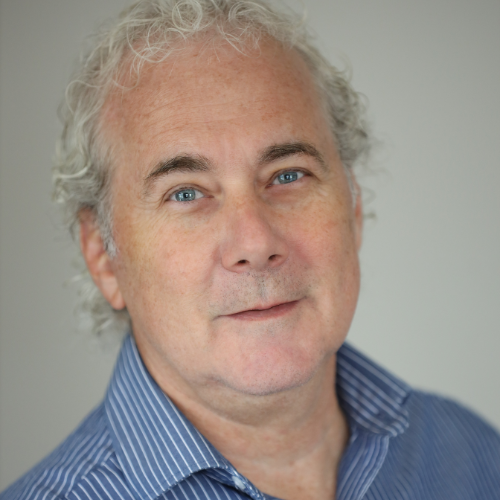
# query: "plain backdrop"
[[430, 302]]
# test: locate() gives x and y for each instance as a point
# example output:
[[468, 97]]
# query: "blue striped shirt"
[[404, 444]]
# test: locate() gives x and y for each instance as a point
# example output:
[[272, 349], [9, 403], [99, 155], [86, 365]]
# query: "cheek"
[[165, 266], [327, 247], [163, 280], [324, 238]]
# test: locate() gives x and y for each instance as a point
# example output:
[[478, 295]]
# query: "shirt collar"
[[157, 447], [371, 397]]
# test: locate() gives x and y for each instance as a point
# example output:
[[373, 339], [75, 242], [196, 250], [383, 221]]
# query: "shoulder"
[[442, 419], [73, 465], [450, 446]]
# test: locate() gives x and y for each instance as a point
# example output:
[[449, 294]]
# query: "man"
[[207, 162]]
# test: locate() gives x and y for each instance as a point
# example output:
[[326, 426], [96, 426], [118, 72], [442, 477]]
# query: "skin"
[[259, 386]]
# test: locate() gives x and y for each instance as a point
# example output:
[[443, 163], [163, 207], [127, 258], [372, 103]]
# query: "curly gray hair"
[[149, 31]]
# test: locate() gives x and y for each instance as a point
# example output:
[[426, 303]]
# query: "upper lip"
[[262, 307]]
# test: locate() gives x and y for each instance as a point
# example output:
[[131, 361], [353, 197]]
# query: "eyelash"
[[169, 198]]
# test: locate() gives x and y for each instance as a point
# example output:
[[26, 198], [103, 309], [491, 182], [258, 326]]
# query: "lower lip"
[[272, 312]]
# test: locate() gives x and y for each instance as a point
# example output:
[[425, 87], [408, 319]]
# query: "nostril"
[[242, 262], [273, 257]]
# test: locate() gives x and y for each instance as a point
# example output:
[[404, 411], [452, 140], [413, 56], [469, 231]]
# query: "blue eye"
[[187, 194], [286, 177]]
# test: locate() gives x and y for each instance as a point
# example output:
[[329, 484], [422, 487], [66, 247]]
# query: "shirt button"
[[238, 483]]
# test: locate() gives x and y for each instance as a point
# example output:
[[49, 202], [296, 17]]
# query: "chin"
[[270, 372]]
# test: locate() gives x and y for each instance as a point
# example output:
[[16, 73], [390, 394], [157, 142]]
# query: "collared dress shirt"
[[404, 444]]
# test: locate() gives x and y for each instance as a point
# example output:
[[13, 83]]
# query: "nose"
[[251, 243]]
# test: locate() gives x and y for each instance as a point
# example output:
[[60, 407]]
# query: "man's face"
[[229, 196]]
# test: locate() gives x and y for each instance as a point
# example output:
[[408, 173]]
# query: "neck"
[[286, 444]]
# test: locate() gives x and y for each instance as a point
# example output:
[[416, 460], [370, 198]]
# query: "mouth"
[[274, 311]]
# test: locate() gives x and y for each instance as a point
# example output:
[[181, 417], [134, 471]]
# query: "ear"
[[358, 215], [98, 261]]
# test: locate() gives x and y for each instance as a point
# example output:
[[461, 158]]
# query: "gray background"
[[430, 301]]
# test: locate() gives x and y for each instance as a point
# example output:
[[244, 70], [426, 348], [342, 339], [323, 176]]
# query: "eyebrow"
[[198, 163], [280, 151], [179, 163]]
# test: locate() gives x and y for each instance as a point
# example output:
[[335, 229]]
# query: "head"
[[207, 157], [150, 31]]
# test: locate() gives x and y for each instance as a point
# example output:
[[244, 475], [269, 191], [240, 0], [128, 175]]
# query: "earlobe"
[[98, 261]]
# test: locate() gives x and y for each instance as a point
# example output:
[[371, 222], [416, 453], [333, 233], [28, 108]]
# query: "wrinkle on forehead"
[[172, 85]]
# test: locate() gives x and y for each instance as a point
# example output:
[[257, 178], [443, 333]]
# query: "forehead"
[[202, 97]]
